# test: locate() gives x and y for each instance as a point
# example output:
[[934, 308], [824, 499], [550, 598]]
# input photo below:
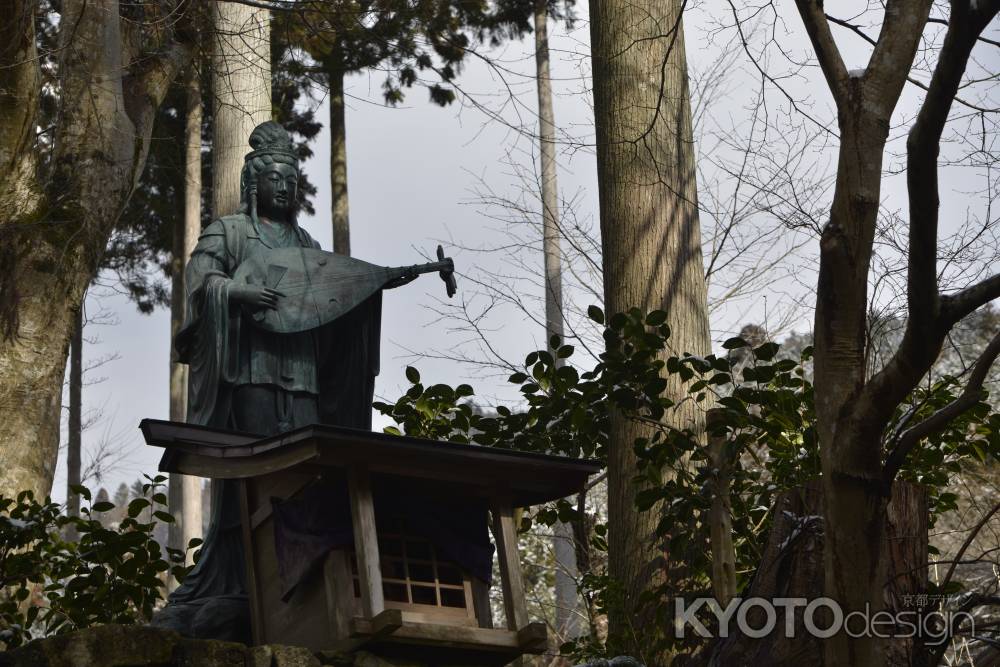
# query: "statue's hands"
[[256, 297]]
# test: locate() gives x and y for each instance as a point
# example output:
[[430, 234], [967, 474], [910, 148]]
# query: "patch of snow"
[[801, 524]]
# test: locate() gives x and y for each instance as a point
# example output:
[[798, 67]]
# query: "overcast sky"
[[413, 172]]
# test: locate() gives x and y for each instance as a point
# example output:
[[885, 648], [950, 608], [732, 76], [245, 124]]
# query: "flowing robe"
[[337, 363]]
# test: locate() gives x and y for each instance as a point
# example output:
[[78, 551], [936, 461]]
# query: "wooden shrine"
[[389, 589]]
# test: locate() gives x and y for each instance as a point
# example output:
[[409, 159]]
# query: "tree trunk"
[[720, 517], [185, 490], [651, 250], [241, 81], [792, 567], [339, 212], [101, 139], [75, 426], [851, 448], [567, 598]]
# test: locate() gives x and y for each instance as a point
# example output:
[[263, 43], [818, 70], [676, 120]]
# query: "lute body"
[[320, 286]]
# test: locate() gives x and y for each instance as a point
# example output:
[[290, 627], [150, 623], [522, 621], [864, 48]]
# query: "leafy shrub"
[[50, 585], [764, 412]]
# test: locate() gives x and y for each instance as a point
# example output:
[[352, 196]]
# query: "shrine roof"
[[524, 478]]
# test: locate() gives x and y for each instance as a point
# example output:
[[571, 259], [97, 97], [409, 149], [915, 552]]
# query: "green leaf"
[[103, 506], [136, 506], [517, 378], [595, 314], [565, 351], [767, 351], [412, 374], [735, 343], [655, 387], [656, 318]]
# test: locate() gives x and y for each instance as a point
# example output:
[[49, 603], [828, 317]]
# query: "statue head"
[[269, 182]]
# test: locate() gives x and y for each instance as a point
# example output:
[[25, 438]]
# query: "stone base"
[[145, 646]]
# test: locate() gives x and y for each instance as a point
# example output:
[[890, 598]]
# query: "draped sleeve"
[[209, 338]]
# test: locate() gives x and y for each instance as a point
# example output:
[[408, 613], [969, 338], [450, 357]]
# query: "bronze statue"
[[278, 335]]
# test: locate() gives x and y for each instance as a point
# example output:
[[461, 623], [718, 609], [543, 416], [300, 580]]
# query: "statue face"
[[277, 187]]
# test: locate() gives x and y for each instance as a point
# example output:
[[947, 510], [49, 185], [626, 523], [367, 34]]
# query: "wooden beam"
[[505, 534], [448, 636], [386, 623], [533, 638], [371, 630], [256, 610], [365, 541]]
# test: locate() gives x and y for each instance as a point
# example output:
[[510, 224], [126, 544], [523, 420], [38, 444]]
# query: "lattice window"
[[414, 578]]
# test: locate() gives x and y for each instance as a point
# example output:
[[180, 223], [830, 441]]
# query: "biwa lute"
[[320, 286]]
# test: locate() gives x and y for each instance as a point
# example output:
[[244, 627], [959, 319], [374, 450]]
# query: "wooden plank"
[[511, 579], [303, 619], [365, 541], [339, 592], [283, 485], [191, 463], [256, 607]]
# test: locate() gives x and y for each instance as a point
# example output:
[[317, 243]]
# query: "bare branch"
[[922, 147], [830, 60], [895, 49], [965, 545], [985, 40], [273, 5], [970, 396], [956, 306], [927, 326], [856, 29]]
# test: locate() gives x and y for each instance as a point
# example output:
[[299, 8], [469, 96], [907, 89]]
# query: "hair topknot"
[[270, 138]]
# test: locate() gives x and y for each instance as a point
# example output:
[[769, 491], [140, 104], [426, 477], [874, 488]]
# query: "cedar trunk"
[[339, 211], [651, 249], [185, 490], [564, 550], [241, 79]]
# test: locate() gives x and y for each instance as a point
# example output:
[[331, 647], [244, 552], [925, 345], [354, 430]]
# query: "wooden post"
[[481, 603], [366, 541], [256, 615], [510, 566], [339, 593]]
